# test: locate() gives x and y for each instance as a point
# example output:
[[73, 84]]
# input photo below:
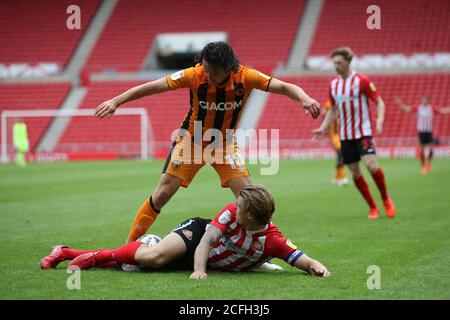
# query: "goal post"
[[145, 133]]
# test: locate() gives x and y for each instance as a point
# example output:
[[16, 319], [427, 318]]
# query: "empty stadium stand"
[[287, 115], [260, 32], [32, 96], [38, 33], [407, 27], [166, 112]]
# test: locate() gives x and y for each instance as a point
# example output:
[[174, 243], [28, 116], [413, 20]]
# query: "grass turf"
[[92, 204]]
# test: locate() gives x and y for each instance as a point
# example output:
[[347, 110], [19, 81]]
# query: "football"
[[150, 239]]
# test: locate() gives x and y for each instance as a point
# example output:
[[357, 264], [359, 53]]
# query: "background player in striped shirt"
[[219, 88], [240, 238], [425, 112], [340, 178], [349, 94]]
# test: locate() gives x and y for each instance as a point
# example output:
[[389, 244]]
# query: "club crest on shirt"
[[177, 75], [176, 164], [187, 234], [225, 217], [257, 246]]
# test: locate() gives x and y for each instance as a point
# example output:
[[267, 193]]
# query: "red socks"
[[107, 258], [126, 253], [422, 157], [378, 176], [123, 254], [363, 187], [70, 254]]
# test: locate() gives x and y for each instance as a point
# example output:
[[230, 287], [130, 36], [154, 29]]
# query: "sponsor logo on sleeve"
[[290, 244], [177, 75], [225, 217], [372, 87], [265, 76]]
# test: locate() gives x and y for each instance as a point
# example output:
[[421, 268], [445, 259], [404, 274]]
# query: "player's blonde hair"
[[345, 52], [259, 202]]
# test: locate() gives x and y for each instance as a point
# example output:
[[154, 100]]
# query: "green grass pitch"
[[92, 204]]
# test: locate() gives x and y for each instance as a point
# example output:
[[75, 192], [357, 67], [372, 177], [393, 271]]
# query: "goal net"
[[78, 134]]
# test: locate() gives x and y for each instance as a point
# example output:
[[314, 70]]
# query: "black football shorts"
[[353, 150], [425, 137], [191, 231]]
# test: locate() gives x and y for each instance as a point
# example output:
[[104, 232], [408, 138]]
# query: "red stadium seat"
[[260, 32], [287, 115], [406, 27], [35, 31], [166, 112], [31, 97]]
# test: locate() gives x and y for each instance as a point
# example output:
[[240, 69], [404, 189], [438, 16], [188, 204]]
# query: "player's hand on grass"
[[106, 109], [312, 107], [319, 270], [198, 275]]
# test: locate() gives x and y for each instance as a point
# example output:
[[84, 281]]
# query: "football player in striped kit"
[[349, 94], [425, 112], [219, 87], [241, 237]]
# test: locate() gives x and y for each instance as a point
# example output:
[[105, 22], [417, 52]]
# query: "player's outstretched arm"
[[381, 109], [209, 239], [402, 105], [296, 93], [330, 117], [312, 266], [107, 108]]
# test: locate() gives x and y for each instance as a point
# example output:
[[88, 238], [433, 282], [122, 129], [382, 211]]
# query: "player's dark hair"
[[259, 202], [345, 52], [219, 55]]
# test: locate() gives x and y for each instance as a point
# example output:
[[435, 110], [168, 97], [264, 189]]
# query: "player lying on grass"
[[219, 87], [240, 238]]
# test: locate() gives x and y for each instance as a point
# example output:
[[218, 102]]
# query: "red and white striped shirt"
[[240, 249], [425, 117], [350, 96]]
